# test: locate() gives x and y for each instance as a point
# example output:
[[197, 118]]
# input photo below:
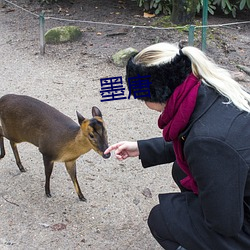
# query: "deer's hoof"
[[48, 195], [82, 198]]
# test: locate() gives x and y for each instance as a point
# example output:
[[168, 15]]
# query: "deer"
[[58, 137]]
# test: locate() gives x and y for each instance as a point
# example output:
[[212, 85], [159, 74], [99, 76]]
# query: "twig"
[[117, 34], [57, 82], [13, 203]]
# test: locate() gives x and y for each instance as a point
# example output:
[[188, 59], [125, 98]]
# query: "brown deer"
[[59, 139]]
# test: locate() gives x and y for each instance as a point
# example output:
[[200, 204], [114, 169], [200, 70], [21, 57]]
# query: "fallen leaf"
[[58, 227], [147, 15]]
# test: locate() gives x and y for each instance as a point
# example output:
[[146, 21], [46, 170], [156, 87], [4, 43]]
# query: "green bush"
[[156, 6], [232, 6], [227, 6], [211, 7]]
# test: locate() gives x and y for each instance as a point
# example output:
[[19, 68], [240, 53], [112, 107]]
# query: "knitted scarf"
[[174, 119]]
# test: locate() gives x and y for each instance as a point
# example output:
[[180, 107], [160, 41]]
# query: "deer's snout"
[[106, 156]]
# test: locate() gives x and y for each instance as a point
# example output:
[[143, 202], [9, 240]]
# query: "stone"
[[121, 58], [63, 34]]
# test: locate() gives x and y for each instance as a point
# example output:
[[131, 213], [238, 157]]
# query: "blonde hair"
[[202, 67]]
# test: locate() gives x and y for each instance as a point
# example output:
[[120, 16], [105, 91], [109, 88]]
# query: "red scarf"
[[174, 119]]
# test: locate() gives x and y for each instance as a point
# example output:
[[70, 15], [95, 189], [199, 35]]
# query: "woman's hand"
[[124, 150]]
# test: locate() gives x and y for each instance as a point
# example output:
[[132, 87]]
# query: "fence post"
[[204, 24], [191, 35], [42, 31]]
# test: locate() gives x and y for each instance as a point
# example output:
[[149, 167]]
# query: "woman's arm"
[[155, 151], [124, 149], [151, 152]]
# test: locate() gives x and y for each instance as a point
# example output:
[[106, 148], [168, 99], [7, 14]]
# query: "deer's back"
[[24, 118]]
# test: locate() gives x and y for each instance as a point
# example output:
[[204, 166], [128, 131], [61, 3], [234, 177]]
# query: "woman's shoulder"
[[215, 117]]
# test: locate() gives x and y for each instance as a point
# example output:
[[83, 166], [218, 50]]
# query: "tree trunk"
[[183, 11]]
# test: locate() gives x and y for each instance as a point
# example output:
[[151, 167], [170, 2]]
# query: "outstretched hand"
[[124, 150]]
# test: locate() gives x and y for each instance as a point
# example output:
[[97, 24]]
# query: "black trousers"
[[156, 222], [179, 221]]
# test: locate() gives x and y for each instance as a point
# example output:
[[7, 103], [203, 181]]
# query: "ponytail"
[[218, 78]]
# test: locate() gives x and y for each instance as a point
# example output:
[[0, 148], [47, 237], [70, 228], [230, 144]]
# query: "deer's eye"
[[91, 136]]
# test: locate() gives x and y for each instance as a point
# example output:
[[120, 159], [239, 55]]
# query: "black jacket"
[[216, 145]]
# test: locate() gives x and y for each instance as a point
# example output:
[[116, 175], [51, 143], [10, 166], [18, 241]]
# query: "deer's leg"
[[1, 144], [18, 161], [48, 165], [71, 168]]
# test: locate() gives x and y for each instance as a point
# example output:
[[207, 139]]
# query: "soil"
[[119, 195]]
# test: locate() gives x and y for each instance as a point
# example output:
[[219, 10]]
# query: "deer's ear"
[[96, 112], [80, 118]]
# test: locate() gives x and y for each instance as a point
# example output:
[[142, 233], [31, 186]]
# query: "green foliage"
[[165, 6], [230, 6], [211, 7], [226, 6], [244, 4], [157, 6]]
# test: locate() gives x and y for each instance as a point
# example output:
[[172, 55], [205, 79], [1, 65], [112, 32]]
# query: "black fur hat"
[[164, 77]]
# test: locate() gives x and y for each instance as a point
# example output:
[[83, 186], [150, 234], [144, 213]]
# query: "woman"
[[205, 118]]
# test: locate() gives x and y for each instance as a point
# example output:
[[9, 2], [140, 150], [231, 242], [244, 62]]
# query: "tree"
[[183, 11]]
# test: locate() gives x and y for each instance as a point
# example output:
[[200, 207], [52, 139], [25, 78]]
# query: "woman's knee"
[[159, 229], [153, 218]]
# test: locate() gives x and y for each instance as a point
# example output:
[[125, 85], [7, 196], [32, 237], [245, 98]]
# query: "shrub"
[[227, 6], [156, 6]]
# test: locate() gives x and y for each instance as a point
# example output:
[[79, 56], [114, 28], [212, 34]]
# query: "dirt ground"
[[119, 195]]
